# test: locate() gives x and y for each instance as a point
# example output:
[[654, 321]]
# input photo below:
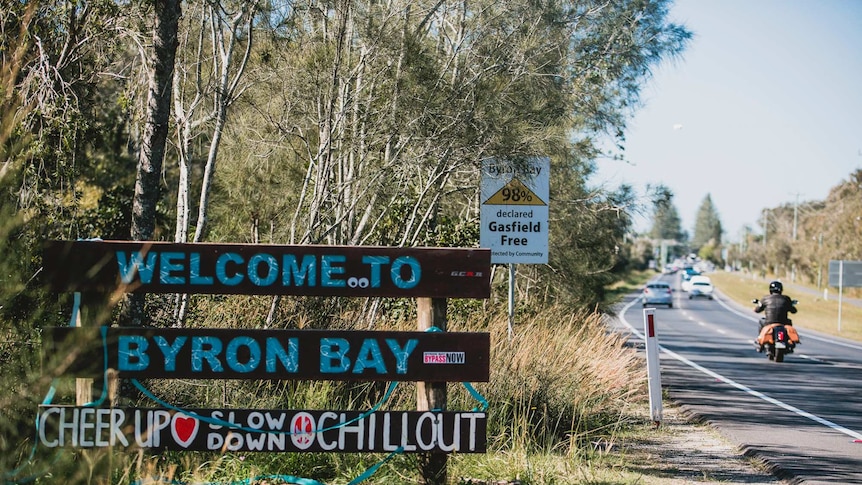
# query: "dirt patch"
[[684, 452]]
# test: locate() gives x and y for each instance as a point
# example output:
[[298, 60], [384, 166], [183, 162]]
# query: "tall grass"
[[562, 383]]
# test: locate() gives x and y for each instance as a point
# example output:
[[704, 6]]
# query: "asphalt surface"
[[803, 417]]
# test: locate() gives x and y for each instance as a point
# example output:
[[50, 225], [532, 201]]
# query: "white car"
[[700, 287], [685, 280]]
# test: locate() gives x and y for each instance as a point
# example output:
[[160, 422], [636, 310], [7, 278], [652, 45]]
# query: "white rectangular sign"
[[841, 273], [514, 197]]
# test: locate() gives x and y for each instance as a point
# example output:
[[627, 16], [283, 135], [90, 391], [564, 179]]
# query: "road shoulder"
[[684, 451]]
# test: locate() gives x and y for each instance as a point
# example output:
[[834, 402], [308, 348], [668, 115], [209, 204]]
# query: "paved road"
[[802, 416]]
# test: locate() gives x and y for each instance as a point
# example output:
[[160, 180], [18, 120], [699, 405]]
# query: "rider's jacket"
[[777, 307]]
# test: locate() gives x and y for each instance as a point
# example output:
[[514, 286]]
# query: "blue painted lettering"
[[308, 270], [415, 272], [369, 357], [206, 349], [168, 263], [134, 263], [221, 269], [275, 352], [232, 357], [401, 354], [170, 350], [328, 268], [333, 358], [195, 277], [375, 262], [131, 354], [254, 269]]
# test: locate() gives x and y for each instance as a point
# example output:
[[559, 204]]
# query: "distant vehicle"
[[657, 293], [700, 287], [687, 275]]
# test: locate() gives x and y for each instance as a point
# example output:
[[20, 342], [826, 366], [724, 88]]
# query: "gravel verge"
[[684, 451]]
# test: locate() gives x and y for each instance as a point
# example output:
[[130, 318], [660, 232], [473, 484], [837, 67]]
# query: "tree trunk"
[[155, 134]]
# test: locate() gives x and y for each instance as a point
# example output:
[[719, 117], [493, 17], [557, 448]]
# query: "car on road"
[[700, 287], [685, 279], [657, 293]]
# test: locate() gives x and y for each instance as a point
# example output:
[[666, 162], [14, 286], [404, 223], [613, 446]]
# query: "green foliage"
[[707, 230], [585, 251], [825, 230], [666, 221]]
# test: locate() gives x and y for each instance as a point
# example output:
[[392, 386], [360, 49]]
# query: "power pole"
[[795, 215]]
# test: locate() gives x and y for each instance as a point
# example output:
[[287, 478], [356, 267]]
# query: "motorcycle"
[[776, 339]]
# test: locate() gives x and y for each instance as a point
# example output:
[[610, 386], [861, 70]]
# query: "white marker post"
[[653, 369]]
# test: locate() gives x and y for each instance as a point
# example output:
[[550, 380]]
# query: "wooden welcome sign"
[[431, 359], [336, 355], [255, 269]]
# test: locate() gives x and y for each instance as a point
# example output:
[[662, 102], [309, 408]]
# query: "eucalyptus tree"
[[372, 128], [829, 229], [826, 229], [60, 139], [214, 49], [843, 218], [391, 106], [209, 80], [165, 39]]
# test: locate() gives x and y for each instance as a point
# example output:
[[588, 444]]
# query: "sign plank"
[[851, 275], [248, 430], [254, 269], [338, 355]]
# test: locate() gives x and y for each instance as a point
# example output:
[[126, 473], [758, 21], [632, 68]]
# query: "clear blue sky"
[[765, 104]]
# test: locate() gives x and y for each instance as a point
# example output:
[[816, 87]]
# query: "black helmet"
[[775, 288]]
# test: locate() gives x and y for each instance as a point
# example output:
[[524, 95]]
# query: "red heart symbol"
[[184, 429]]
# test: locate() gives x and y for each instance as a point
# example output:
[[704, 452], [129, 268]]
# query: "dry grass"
[[561, 385], [814, 312]]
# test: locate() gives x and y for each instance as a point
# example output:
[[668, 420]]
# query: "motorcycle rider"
[[776, 305]]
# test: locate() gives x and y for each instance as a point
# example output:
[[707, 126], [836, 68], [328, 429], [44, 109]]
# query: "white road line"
[[741, 387], [815, 359]]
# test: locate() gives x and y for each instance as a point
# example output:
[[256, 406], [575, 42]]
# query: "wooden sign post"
[[432, 395]]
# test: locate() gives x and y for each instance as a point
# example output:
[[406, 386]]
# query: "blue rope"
[[8, 476], [289, 478], [76, 307], [227, 424], [367, 474], [483, 403]]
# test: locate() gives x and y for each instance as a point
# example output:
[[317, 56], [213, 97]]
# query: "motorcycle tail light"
[[780, 335]]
